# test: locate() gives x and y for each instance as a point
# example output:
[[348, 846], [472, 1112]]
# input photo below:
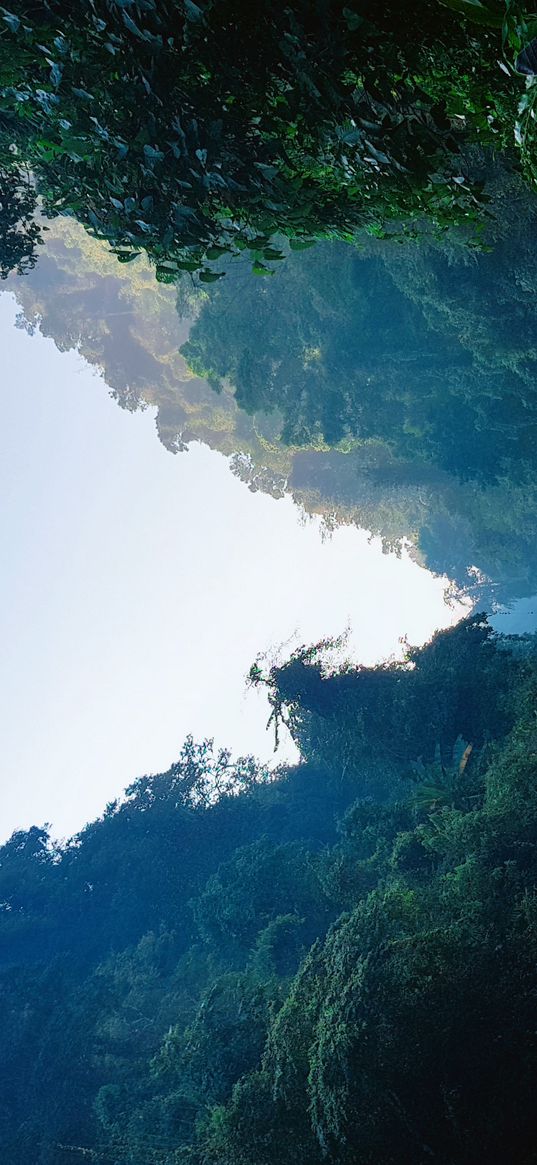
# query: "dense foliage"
[[422, 348], [126, 325], [192, 130], [333, 962], [19, 230]]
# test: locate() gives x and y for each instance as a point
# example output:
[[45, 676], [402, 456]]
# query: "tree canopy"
[[403, 382], [194, 130], [420, 359], [330, 962]]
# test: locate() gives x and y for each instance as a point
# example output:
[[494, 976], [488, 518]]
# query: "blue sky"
[[137, 588]]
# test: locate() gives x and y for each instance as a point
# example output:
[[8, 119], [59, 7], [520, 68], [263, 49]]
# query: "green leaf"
[[216, 252], [259, 243], [126, 256], [165, 276], [151, 152], [56, 72], [11, 20], [354, 20], [132, 27], [211, 276], [83, 94], [192, 12], [475, 11]]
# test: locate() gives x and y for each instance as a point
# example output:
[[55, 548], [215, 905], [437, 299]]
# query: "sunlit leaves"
[[229, 153]]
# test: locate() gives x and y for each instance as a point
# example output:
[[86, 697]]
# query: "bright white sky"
[[137, 588]]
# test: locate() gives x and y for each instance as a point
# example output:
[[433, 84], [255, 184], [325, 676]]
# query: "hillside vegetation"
[[333, 962]]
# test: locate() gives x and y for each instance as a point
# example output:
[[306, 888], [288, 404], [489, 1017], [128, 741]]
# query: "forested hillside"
[[428, 350], [219, 146], [417, 363], [333, 962], [125, 323], [390, 386]]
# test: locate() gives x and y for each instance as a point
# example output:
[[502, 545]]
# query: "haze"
[[137, 588]]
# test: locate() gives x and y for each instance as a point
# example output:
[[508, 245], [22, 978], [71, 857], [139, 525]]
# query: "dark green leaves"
[[126, 256], [132, 27], [263, 135], [354, 19], [154, 154], [12, 21], [192, 11], [210, 276]]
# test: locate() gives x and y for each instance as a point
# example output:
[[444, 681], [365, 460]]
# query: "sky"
[[137, 588]]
